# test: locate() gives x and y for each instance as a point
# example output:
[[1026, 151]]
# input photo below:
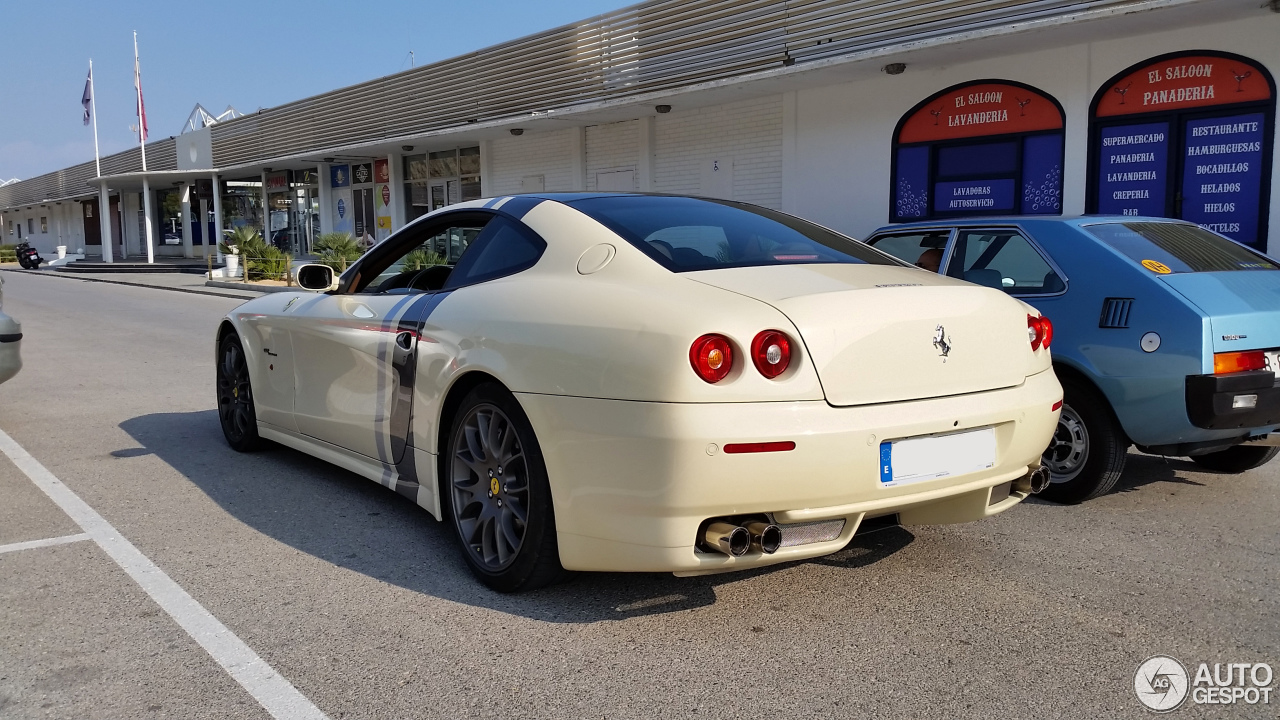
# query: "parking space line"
[[47, 542], [276, 695]]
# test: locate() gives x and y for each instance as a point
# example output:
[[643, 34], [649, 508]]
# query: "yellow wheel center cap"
[[235, 392], [493, 485]]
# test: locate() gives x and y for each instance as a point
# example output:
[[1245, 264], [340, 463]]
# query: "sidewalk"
[[177, 282]]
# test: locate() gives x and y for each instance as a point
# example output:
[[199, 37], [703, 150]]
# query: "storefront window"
[[441, 178], [1186, 136], [169, 225], [242, 204], [982, 148]]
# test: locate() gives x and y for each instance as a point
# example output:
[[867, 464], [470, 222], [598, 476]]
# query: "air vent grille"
[[1115, 313]]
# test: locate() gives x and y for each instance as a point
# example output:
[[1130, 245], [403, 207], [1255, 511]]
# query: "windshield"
[[684, 234], [1178, 247]]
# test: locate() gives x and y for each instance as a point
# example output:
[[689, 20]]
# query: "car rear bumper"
[[10, 347], [1243, 400], [633, 482]]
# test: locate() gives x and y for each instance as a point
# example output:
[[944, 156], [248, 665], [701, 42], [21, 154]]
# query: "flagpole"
[[142, 145], [93, 110], [104, 198]]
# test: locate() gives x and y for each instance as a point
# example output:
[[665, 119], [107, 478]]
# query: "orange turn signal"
[[1238, 362]]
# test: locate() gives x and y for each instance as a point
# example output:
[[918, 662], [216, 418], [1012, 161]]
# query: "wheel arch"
[[458, 390], [1069, 373]]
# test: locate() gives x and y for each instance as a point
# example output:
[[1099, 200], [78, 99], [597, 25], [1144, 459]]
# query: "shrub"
[[421, 258], [243, 240], [266, 263], [337, 250]]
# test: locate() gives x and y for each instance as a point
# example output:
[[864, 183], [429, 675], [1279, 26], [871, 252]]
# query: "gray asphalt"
[[362, 601]]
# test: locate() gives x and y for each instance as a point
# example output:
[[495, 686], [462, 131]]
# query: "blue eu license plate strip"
[[886, 462]]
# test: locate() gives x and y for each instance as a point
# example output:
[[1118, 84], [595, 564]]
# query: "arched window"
[[1188, 136], [981, 148]]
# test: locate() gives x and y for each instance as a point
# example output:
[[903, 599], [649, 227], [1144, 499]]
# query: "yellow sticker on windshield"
[[1156, 267]]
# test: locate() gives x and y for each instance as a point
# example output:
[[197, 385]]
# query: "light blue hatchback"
[[1166, 335]]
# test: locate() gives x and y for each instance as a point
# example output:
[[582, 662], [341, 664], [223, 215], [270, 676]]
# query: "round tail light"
[[1039, 331], [711, 357], [771, 353]]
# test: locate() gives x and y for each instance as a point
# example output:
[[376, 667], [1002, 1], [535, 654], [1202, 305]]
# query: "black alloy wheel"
[[235, 397], [495, 490]]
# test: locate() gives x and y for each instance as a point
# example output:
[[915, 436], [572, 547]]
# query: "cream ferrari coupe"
[[626, 382]]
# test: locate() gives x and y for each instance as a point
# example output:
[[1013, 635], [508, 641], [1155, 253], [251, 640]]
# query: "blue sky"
[[219, 53]]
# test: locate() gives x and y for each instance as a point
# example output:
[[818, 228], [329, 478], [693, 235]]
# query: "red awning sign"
[[981, 109], [1188, 81]]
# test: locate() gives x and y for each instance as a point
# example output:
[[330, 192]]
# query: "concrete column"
[[146, 221], [266, 211], [644, 163], [395, 178], [104, 222], [217, 216], [486, 168], [326, 201], [202, 215], [578, 158], [188, 241], [57, 222]]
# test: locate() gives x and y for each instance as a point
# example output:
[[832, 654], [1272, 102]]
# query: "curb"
[[252, 288], [72, 276]]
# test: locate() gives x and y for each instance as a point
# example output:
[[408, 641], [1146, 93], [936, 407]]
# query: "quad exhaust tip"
[[730, 539], [765, 537]]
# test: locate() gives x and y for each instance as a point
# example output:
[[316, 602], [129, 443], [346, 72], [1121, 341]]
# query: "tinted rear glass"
[[1178, 247], [685, 234]]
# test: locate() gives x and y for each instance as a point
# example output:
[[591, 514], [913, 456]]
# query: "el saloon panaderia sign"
[[1220, 156]]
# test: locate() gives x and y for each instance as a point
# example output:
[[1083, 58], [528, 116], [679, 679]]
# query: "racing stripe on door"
[[386, 351], [401, 416]]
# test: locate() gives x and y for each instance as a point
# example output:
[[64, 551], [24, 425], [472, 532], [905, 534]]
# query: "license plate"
[[1272, 360], [937, 456]]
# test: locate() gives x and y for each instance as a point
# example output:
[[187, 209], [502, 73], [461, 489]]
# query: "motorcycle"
[[28, 257]]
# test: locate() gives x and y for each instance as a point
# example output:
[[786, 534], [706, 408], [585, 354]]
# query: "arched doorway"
[[1186, 135], [981, 148]]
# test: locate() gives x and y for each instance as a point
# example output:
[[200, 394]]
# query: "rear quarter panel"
[[1146, 390]]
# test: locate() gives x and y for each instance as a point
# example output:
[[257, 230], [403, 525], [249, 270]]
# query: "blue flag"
[[87, 99]]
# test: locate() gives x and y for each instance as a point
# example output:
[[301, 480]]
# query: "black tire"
[[236, 412], [1089, 448], [1236, 459], [22, 261], [488, 430]]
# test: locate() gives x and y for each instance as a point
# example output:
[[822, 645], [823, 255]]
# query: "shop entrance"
[[981, 148], [1186, 136]]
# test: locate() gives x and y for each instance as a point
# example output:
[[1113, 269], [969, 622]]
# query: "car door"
[[1004, 259], [356, 349]]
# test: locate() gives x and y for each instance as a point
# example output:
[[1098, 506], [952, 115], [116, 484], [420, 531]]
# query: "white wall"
[[835, 142], [515, 158], [612, 148], [747, 134]]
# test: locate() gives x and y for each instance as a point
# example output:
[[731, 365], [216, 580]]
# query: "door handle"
[[404, 340]]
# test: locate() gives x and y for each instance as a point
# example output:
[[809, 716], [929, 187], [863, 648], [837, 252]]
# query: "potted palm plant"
[[236, 239]]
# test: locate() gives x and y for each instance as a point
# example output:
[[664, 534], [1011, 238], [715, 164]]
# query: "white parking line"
[[47, 542], [281, 699]]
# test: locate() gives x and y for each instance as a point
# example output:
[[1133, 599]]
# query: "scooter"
[[28, 257]]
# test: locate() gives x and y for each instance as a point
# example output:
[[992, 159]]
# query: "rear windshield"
[[1179, 248], [685, 234]]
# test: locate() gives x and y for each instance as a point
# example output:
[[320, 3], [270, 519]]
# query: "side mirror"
[[316, 277]]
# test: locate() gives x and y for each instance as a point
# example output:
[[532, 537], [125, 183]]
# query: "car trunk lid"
[[1243, 306], [881, 334]]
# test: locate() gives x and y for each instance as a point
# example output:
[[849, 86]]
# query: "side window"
[[922, 249], [1004, 260], [424, 262], [504, 248]]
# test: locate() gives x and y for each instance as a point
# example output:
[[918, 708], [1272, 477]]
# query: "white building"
[[851, 113]]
